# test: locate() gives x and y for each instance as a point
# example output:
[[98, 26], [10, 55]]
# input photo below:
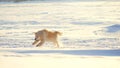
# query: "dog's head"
[[36, 36]]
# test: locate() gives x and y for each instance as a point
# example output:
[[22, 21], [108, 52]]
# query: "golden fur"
[[44, 35]]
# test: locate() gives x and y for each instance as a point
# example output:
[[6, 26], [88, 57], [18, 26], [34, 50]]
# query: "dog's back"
[[47, 35]]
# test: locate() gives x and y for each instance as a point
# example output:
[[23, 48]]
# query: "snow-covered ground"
[[58, 58], [90, 39]]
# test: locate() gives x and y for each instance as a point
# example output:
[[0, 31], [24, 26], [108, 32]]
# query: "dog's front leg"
[[41, 43], [36, 41]]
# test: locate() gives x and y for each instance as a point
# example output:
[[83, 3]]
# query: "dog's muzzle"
[[35, 39]]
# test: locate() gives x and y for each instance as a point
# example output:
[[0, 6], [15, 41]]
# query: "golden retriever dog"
[[44, 35]]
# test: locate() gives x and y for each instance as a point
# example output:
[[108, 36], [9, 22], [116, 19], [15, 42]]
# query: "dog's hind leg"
[[56, 43]]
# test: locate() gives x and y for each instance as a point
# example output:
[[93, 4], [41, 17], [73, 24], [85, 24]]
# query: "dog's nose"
[[35, 38]]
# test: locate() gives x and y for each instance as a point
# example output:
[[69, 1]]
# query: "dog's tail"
[[58, 33]]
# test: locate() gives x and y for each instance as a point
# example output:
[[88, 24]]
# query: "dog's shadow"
[[71, 52]]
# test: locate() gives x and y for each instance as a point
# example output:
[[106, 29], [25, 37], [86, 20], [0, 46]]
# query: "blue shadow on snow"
[[72, 52]]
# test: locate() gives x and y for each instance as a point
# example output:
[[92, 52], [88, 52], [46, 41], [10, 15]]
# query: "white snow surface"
[[90, 34]]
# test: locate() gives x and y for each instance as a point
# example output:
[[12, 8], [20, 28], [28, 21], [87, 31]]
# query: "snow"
[[113, 28], [55, 57], [90, 38], [63, 62]]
